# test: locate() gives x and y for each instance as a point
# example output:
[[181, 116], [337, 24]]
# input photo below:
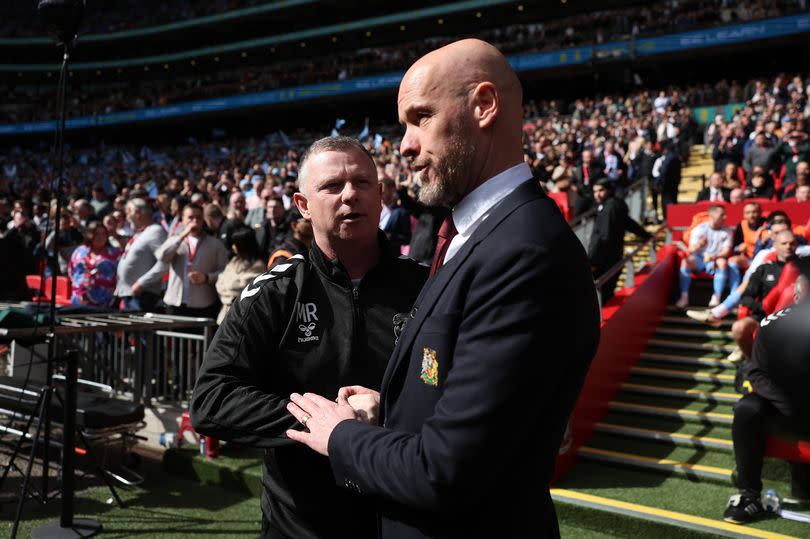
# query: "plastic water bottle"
[[167, 439], [202, 446]]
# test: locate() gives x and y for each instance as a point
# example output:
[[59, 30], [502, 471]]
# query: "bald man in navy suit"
[[477, 394]]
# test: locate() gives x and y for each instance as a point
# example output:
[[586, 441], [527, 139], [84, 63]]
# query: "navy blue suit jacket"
[[511, 322]]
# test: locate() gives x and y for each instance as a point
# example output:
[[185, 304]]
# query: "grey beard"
[[450, 174]]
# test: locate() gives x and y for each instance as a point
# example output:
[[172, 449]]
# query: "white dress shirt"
[[478, 205]]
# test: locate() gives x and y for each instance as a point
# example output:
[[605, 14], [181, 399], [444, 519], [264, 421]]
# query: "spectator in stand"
[[85, 213], [761, 153], [801, 194], [736, 196], [70, 237], [298, 241], [275, 227], [606, 246], [240, 270], [256, 215], [140, 271], [728, 149], [777, 396], [732, 176], [290, 188], [92, 269], [795, 148], [802, 178], [585, 175], [196, 260], [24, 233], [111, 225], [100, 201], [176, 212], [746, 234], [428, 222], [710, 247], [760, 187], [642, 166], [762, 281], [221, 227], [253, 198], [394, 220], [669, 178], [715, 192]]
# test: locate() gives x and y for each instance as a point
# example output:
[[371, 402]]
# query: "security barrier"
[[143, 356]]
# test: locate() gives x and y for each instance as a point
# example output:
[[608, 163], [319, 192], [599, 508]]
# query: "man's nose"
[[409, 147], [349, 192]]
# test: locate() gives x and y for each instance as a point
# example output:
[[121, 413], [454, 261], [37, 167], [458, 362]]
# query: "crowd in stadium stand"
[[238, 184], [36, 102], [18, 18]]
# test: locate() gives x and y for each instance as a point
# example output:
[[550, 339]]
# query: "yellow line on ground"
[[662, 462], [562, 494], [672, 391], [645, 407], [682, 373], [679, 436]]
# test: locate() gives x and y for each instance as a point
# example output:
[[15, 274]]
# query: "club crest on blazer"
[[430, 367]]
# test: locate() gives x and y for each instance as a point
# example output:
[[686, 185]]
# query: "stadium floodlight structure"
[[62, 18]]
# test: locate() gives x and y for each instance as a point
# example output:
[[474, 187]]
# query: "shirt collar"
[[487, 195]]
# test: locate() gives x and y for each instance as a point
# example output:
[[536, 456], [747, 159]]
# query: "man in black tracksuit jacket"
[[606, 246], [304, 325], [777, 401]]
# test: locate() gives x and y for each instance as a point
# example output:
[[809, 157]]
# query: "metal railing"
[[627, 264], [143, 356]]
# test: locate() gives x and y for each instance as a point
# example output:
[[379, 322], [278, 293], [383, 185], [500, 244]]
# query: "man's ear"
[[487, 103], [302, 204]]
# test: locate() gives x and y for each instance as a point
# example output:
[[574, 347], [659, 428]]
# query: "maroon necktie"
[[446, 234]]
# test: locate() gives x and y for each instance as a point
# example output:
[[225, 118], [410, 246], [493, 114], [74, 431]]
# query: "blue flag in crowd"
[[364, 133]]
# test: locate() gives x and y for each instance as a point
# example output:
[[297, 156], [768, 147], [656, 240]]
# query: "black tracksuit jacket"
[[300, 327]]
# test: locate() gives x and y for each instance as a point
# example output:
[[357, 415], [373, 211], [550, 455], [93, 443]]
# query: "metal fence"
[[143, 356]]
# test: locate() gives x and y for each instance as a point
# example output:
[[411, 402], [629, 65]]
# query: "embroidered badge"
[[430, 367]]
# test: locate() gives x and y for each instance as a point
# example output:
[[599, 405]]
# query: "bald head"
[[461, 106], [461, 66]]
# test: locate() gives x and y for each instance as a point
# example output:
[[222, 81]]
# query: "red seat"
[[63, 289], [792, 450], [34, 282]]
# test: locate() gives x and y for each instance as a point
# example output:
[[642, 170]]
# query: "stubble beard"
[[450, 174]]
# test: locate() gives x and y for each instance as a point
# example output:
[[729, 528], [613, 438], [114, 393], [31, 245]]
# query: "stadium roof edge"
[[362, 24], [714, 37], [229, 15]]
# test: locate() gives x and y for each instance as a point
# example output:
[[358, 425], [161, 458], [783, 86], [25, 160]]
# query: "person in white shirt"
[[710, 246]]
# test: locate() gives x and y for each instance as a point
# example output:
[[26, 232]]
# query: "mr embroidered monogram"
[[306, 316]]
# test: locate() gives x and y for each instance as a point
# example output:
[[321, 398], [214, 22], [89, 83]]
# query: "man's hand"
[[137, 289], [364, 401], [320, 416], [197, 277]]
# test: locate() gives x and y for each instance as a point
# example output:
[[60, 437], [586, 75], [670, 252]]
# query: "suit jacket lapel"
[[433, 289]]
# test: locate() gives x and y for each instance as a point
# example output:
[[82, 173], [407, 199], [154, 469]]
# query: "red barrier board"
[[680, 215], [629, 321]]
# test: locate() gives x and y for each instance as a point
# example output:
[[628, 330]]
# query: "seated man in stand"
[[777, 397], [710, 247], [762, 281]]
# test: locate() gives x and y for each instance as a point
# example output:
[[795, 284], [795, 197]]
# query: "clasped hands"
[[321, 415]]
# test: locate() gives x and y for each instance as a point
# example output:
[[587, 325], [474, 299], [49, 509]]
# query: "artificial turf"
[[164, 506]]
